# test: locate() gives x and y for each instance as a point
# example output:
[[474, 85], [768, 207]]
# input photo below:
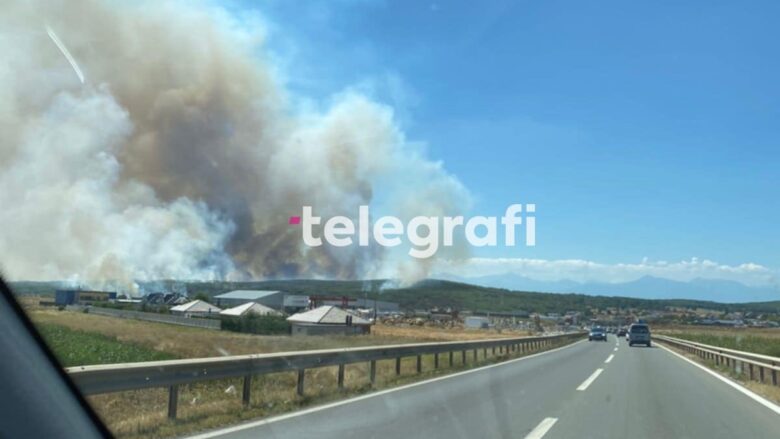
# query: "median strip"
[[542, 428], [590, 380]]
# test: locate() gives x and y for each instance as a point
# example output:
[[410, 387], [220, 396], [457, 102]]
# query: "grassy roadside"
[[207, 405], [761, 341], [74, 348]]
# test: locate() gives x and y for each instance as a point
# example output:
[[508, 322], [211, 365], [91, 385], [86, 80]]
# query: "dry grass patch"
[[430, 333]]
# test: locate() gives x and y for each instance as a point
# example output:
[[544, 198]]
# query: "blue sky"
[[640, 129]]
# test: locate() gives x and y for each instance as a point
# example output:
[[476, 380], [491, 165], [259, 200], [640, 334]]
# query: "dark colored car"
[[597, 333], [621, 332]]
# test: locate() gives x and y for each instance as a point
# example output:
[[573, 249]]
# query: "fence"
[[155, 317], [119, 377], [730, 358]]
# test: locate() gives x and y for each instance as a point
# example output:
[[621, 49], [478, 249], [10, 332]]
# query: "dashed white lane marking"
[[615, 349], [542, 428], [755, 397], [590, 380], [610, 358]]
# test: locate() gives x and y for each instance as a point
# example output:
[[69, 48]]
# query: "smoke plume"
[[181, 156]]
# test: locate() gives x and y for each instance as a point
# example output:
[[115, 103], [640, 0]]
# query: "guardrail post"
[[301, 376], [372, 374], [774, 377], [436, 360], [761, 374], [475, 355], [750, 366], [398, 366], [494, 350], [245, 395], [341, 376], [173, 401], [419, 363], [463, 357], [484, 353]]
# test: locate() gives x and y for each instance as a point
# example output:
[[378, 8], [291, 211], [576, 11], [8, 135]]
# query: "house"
[[196, 308], [328, 319], [250, 308]]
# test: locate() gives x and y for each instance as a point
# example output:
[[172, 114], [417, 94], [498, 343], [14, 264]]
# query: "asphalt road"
[[639, 393]]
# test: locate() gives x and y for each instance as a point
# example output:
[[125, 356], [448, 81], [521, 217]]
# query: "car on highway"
[[639, 333], [622, 332], [597, 333]]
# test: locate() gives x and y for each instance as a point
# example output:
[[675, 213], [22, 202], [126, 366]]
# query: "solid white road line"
[[755, 397], [223, 431], [542, 428], [610, 358], [590, 380]]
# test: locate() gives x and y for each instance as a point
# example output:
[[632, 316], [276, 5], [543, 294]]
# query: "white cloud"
[[580, 270]]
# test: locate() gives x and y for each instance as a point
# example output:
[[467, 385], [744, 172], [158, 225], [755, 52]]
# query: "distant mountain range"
[[647, 287]]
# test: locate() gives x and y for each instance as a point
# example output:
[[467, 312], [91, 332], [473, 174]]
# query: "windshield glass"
[[262, 219]]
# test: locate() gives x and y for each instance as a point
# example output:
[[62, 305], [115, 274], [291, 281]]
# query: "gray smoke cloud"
[[181, 155]]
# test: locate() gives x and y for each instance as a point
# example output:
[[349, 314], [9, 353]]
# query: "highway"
[[585, 390]]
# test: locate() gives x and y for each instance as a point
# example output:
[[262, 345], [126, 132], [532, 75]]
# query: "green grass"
[[742, 342], [79, 348]]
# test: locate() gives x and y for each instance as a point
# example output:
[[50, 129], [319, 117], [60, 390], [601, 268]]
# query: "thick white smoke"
[[180, 157]]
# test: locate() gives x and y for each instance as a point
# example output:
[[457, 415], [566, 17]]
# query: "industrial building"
[[277, 300], [196, 308], [327, 320], [250, 308], [76, 297], [476, 322]]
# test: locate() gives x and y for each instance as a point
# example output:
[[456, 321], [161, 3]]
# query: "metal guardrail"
[[737, 360], [173, 373], [156, 317]]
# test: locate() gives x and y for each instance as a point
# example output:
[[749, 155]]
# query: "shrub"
[[255, 324]]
